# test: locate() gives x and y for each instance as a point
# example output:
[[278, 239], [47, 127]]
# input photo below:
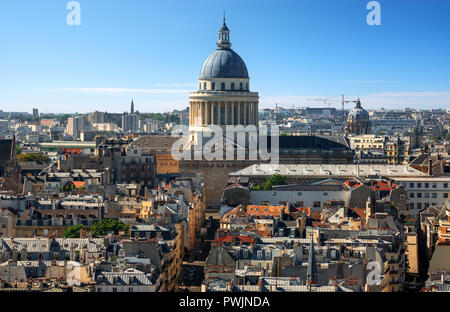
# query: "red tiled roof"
[[78, 184], [231, 238]]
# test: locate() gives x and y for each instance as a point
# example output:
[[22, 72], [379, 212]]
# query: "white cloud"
[[118, 91]]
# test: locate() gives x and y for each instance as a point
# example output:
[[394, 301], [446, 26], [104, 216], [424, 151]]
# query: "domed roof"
[[224, 63], [358, 113]]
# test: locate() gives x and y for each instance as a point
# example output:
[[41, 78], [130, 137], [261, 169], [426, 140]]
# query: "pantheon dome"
[[223, 97], [224, 63]]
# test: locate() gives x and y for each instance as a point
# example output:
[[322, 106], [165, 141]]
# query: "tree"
[[448, 136], [272, 181], [104, 226], [73, 231]]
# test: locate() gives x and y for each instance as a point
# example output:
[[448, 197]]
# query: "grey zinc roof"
[[440, 259], [127, 277], [223, 63]]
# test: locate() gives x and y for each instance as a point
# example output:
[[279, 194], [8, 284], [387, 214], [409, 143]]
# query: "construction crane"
[[343, 103]]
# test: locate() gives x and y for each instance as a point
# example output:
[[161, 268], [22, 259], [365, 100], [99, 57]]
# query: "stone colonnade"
[[204, 113]]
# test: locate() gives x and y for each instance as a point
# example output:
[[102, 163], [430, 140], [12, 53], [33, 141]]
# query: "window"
[[434, 185], [419, 184], [411, 195], [419, 195], [232, 86], [411, 184], [426, 195], [199, 85], [213, 86], [427, 184], [259, 254], [222, 86], [114, 289], [299, 193], [434, 195], [445, 195], [246, 86], [241, 86], [325, 194], [130, 289], [419, 205], [411, 206], [445, 185], [204, 85], [316, 204]]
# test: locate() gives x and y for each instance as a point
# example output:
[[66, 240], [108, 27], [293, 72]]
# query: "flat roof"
[[329, 170]]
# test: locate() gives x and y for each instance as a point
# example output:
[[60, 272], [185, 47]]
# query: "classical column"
[[226, 113], [232, 113], [245, 113], [238, 113], [211, 112], [204, 113]]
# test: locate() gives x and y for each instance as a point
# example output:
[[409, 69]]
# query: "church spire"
[[311, 272], [224, 36], [132, 107]]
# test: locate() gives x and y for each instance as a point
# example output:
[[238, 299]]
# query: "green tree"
[[104, 226], [272, 181], [73, 231], [448, 136], [39, 158]]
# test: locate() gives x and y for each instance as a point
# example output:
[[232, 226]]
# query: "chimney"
[[430, 167]]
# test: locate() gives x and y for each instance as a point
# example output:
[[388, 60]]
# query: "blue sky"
[[152, 51]]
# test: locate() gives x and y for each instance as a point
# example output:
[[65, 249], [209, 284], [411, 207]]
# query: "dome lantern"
[[224, 36]]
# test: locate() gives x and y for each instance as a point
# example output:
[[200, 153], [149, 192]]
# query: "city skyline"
[[118, 53]]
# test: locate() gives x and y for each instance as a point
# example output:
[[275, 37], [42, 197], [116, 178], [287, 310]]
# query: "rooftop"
[[321, 170]]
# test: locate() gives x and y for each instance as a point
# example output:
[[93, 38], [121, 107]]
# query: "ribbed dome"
[[358, 113], [223, 63]]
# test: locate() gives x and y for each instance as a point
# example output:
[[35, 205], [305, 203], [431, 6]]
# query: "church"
[[224, 98]]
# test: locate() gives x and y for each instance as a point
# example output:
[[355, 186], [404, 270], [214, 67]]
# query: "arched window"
[[213, 86], [204, 86], [222, 86], [246, 86], [232, 86], [199, 85], [241, 86]]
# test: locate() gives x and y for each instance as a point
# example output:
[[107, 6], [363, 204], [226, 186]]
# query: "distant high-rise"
[[96, 117], [35, 113], [130, 122], [75, 125]]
